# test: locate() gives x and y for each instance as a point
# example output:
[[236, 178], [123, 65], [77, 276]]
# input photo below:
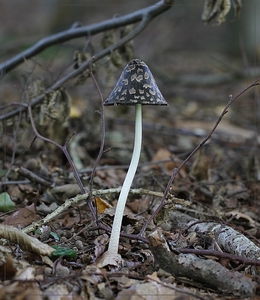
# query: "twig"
[[102, 142], [233, 257], [80, 198], [177, 170], [66, 153], [32, 176], [206, 271], [228, 239], [72, 33], [183, 290], [144, 15]]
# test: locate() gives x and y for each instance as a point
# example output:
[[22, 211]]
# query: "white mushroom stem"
[[116, 229]]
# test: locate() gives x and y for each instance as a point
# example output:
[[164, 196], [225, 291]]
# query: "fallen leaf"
[[6, 203], [171, 161], [25, 274], [238, 215], [90, 274], [101, 205], [56, 291], [7, 268], [23, 217], [63, 192], [47, 209], [148, 291], [163, 154], [109, 259], [200, 166], [25, 241], [100, 244]]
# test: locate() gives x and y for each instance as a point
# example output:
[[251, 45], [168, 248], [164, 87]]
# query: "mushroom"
[[136, 86]]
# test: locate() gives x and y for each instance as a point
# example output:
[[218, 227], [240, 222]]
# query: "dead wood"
[[207, 272], [227, 238]]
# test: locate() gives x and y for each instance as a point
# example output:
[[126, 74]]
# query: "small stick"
[[177, 170]]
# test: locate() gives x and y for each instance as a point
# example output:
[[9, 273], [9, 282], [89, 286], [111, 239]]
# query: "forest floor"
[[218, 186]]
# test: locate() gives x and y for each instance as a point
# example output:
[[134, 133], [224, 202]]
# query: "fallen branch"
[[219, 254], [177, 170], [207, 272], [226, 237], [32, 176], [229, 239], [72, 33], [80, 198]]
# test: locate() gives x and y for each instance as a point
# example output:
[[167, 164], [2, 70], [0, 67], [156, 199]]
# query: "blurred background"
[[197, 66], [180, 28]]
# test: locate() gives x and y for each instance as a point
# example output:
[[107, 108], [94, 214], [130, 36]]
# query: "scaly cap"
[[136, 85]]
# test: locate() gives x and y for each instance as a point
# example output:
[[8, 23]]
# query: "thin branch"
[[66, 153], [146, 17], [90, 170], [103, 133], [102, 142], [32, 176], [72, 33], [80, 198], [199, 270], [233, 257], [177, 170]]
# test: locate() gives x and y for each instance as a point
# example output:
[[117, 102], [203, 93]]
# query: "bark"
[[226, 237], [210, 274]]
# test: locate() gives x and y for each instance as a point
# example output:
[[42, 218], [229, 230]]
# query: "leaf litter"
[[215, 190], [218, 188]]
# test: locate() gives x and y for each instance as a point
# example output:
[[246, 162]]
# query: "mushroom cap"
[[136, 85]]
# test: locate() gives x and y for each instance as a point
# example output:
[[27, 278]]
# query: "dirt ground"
[[204, 243]]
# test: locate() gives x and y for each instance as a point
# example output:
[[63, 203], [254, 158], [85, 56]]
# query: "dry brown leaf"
[[100, 244], [43, 208], [101, 205], [25, 274], [148, 291], [90, 273], [215, 10], [47, 261], [7, 268], [111, 177], [31, 292], [21, 290], [57, 292], [69, 221], [174, 161], [25, 241], [22, 217], [200, 166], [109, 259], [239, 215], [124, 281], [63, 192], [163, 154]]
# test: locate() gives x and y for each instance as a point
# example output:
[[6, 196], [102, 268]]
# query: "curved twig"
[[83, 197], [145, 15], [177, 170], [72, 33]]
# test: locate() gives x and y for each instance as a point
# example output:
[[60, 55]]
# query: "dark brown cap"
[[136, 85]]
